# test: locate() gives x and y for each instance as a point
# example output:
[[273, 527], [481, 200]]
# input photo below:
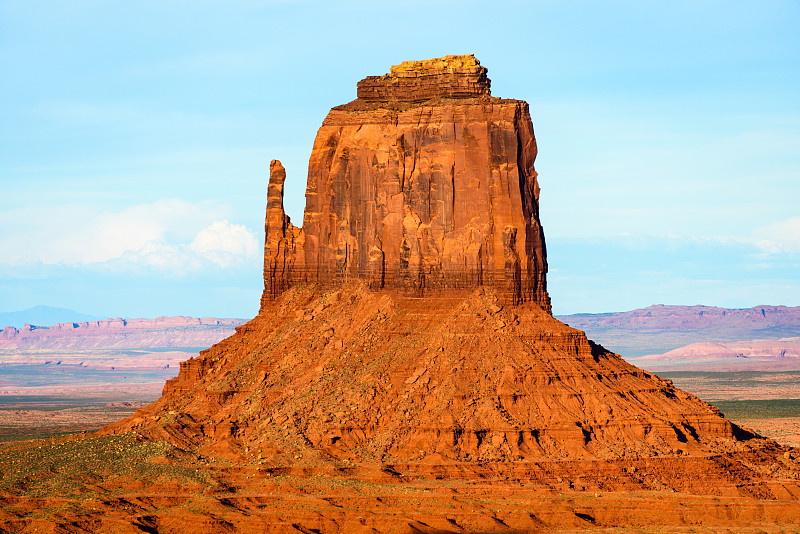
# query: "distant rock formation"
[[785, 320], [43, 316], [425, 182], [754, 355], [119, 333], [659, 328]]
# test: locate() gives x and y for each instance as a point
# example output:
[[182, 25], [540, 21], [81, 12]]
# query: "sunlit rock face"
[[424, 182]]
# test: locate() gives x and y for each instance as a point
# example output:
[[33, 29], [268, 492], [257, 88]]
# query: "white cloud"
[[223, 243], [219, 245], [780, 236], [155, 255], [168, 235]]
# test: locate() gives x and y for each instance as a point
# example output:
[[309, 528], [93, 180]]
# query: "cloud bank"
[[174, 237], [780, 236]]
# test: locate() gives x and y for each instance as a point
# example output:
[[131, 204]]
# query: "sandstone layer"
[[424, 182]]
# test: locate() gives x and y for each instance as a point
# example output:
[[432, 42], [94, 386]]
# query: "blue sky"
[[135, 140]]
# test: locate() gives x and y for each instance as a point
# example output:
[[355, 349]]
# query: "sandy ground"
[[22, 424], [120, 484], [742, 385], [785, 430]]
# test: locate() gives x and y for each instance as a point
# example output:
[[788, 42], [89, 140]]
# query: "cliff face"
[[424, 182]]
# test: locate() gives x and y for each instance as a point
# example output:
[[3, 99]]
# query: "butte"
[[407, 323], [405, 343]]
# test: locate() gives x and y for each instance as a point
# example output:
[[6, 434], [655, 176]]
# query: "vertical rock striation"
[[424, 182]]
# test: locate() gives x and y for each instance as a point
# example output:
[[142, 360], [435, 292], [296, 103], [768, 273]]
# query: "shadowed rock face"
[[425, 182]]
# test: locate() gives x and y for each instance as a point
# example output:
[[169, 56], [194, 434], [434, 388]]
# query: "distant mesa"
[[119, 333], [753, 355], [42, 316], [659, 328], [660, 316]]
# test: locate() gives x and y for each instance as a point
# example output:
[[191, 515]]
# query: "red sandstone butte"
[[424, 182], [404, 373]]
